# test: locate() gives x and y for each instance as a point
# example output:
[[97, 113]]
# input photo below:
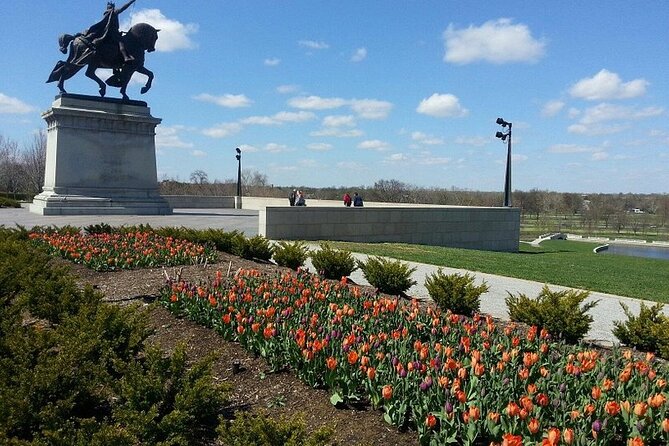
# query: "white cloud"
[[371, 108], [442, 106], [272, 62], [319, 147], [359, 55], [608, 112], [316, 103], [339, 121], [606, 85], [227, 100], [476, 141], [198, 153], [247, 148], [168, 136], [552, 108], [337, 132], [434, 160], [374, 144], [279, 118], [222, 130], [314, 45], [569, 148], [173, 34], [518, 158], [426, 139], [9, 105], [497, 41], [397, 157], [287, 89], [599, 156], [277, 148]]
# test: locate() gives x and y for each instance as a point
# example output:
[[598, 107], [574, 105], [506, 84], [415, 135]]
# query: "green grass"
[[559, 262]]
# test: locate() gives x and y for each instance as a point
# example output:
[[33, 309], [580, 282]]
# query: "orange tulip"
[[542, 399], [331, 363], [596, 393], [657, 400], [512, 409], [430, 421], [387, 392], [352, 357], [512, 440], [474, 412], [494, 417], [568, 435], [636, 441], [553, 437], [371, 373], [665, 425], [533, 426], [612, 408], [640, 409]]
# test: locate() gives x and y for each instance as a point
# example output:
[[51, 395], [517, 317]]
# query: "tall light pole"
[[507, 181], [239, 171]]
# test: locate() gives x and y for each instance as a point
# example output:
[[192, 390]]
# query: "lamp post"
[[239, 171], [507, 180]]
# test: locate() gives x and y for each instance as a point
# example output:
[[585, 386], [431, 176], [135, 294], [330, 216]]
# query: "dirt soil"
[[255, 387]]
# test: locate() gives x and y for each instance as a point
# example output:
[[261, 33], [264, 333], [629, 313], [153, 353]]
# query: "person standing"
[[292, 197], [357, 200], [347, 200]]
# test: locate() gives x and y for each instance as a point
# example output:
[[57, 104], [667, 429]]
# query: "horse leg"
[[149, 74], [90, 73]]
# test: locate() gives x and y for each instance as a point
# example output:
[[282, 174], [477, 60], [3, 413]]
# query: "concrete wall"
[[200, 202], [494, 229]]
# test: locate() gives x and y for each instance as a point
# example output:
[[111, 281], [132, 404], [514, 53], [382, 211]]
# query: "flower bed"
[[453, 379], [131, 250]]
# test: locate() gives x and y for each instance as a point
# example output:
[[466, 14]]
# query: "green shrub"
[[388, 276], [257, 429], [100, 228], [333, 263], [559, 312], [292, 255], [455, 292], [260, 248], [9, 203], [648, 332]]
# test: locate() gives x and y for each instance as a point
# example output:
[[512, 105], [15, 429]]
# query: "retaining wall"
[[484, 228]]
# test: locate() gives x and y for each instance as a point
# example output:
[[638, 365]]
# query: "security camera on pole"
[[507, 182]]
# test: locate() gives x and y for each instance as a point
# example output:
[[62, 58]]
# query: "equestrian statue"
[[103, 45]]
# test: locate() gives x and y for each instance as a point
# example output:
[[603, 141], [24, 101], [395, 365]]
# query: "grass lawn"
[[559, 262]]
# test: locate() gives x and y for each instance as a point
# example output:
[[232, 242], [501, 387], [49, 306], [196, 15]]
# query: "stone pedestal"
[[101, 159]]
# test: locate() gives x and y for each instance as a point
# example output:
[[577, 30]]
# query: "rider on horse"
[[106, 30]]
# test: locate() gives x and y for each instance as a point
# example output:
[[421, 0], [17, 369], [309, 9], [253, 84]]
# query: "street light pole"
[[239, 171], [507, 180]]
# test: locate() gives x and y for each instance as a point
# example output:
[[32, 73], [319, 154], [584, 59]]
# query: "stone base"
[[55, 204], [101, 159]]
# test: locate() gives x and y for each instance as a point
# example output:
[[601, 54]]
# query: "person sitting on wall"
[[357, 200], [292, 197], [347, 200], [300, 199]]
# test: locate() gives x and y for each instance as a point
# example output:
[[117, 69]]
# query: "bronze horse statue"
[[107, 54]]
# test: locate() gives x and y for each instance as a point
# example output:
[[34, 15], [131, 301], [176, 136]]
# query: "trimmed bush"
[[257, 429], [100, 228], [388, 276], [333, 263], [9, 203], [291, 255], [455, 292], [260, 248], [648, 332], [559, 312]]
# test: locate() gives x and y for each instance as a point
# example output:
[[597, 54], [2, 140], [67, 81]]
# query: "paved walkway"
[[605, 313]]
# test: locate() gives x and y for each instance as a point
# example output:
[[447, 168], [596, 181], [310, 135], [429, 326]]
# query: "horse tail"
[[63, 41]]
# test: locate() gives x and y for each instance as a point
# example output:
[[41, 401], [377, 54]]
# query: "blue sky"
[[348, 92]]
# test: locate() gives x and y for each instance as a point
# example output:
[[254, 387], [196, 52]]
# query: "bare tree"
[[199, 177], [33, 159], [10, 167]]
